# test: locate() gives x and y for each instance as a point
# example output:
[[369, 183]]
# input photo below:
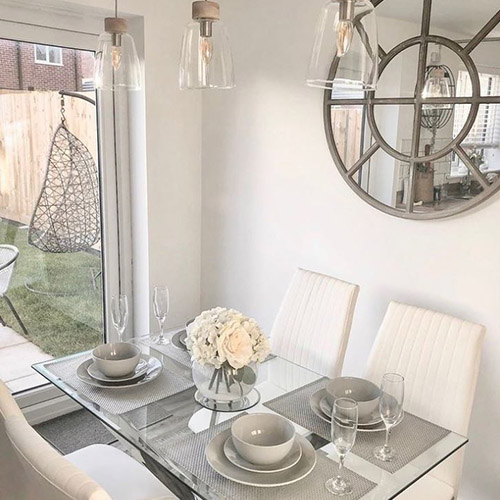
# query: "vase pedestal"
[[248, 401]]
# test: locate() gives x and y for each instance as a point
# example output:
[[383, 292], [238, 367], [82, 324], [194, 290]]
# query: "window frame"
[[47, 61]]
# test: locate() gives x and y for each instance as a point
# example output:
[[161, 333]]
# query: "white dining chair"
[[439, 356], [30, 469], [314, 322]]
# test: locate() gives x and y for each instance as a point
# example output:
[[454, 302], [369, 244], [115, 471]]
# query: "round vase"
[[225, 384]]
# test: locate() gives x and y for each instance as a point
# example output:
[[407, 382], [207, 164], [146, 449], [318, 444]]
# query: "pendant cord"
[[116, 8]]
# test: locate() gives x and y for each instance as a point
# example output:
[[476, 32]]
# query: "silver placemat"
[[412, 437], [121, 400], [188, 451], [180, 355]]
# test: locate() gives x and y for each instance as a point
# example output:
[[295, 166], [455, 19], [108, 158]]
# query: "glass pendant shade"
[[117, 64], [206, 58], [436, 85], [345, 50]]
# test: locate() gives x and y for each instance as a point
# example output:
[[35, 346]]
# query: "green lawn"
[[67, 317]]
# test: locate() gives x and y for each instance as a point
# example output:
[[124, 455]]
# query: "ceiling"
[[460, 16]]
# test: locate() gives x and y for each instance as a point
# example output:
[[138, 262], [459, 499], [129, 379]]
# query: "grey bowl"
[[116, 359], [364, 392], [263, 438]]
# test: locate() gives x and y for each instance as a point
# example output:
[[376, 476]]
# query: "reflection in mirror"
[[486, 56], [348, 132]]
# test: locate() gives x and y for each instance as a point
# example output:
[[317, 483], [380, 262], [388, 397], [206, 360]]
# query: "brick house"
[[25, 66]]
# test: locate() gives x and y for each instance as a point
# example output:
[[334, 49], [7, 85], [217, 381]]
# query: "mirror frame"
[[369, 101]]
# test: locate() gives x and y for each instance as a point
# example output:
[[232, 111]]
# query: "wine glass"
[[119, 314], [161, 306], [392, 392], [344, 429]]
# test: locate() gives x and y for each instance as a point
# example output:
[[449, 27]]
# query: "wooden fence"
[[28, 121]]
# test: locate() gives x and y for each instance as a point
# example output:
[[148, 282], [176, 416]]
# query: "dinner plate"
[[140, 370], [154, 369], [235, 458], [220, 463], [374, 419], [179, 340], [314, 402]]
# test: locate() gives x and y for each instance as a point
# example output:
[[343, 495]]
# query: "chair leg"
[[2, 321], [14, 312]]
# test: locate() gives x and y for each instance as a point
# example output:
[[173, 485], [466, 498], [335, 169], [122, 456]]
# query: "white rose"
[[234, 345]]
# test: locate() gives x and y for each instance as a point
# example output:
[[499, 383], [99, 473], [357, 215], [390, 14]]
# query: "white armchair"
[[30, 469]]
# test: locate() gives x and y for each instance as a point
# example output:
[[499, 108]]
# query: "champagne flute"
[[161, 306], [344, 429], [119, 314], [392, 392]]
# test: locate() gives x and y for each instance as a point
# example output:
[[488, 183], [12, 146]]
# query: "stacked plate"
[[147, 370], [322, 408], [179, 340], [223, 456]]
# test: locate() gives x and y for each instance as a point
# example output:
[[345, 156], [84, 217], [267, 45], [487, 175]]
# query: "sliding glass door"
[[51, 265]]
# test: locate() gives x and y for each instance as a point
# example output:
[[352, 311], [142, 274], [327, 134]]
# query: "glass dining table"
[[159, 425]]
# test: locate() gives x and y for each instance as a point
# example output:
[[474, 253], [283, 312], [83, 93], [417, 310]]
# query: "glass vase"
[[225, 384]]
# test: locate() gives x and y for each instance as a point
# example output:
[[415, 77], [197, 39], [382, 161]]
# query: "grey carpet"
[[74, 431]]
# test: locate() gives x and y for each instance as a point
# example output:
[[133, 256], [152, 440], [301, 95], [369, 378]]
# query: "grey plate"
[[314, 402], [219, 462], [154, 369], [140, 370], [327, 410], [179, 340], [235, 458]]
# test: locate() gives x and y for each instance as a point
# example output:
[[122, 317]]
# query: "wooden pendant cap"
[[205, 9], [115, 25]]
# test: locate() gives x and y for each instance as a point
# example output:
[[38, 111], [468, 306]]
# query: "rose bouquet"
[[228, 344]]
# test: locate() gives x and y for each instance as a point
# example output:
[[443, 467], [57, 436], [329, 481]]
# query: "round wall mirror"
[[405, 148]]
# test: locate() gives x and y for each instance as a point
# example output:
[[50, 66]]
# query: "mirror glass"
[[425, 160]]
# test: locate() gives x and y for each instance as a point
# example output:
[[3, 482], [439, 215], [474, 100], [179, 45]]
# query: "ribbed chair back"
[[314, 322]]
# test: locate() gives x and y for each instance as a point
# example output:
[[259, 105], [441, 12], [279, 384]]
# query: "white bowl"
[[263, 438], [116, 359], [364, 392]]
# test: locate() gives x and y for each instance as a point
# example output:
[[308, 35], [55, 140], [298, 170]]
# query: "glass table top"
[[146, 427]]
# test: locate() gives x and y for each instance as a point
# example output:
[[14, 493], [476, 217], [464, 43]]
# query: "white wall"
[[273, 200]]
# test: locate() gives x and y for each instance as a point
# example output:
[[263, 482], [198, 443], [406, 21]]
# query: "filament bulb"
[[116, 56], [344, 30], [207, 49]]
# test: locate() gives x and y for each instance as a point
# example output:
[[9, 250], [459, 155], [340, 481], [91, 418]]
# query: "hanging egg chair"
[[66, 218]]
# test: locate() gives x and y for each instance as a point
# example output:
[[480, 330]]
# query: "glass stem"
[[162, 322], [387, 435], [341, 466]]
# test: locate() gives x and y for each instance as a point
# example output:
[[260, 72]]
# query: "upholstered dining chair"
[[314, 322], [439, 356], [30, 469]]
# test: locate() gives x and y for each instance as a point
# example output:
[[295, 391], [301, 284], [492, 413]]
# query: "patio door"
[[54, 198]]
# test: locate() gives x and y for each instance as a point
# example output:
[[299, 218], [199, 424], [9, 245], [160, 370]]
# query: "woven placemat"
[[121, 400], [180, 355], [412, 437], [188, 451]]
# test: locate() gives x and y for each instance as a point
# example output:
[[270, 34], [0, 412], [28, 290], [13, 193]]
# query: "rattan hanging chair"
[[66, 218]]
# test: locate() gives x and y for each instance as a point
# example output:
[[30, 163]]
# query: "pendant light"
[[117, 64], [206, 59], [347, 35]]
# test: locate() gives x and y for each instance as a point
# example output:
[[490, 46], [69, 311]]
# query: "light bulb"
[[436, 85], [344, 30], [206, 49], [116, 56]]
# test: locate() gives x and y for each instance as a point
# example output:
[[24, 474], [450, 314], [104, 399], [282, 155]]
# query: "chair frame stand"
[[15, 313]]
